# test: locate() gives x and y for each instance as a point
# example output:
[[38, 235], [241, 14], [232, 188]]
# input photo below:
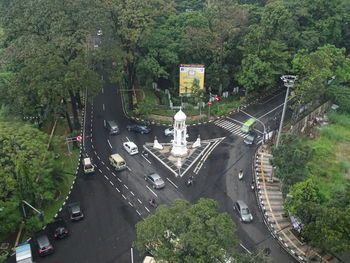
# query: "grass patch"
[[330, 163]]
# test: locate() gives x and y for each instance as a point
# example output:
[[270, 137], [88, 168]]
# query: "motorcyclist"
[[240, 174]]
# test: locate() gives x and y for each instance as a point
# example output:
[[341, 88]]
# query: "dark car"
[[75, 212], [251, 138], [59, 228], [44, 245], [112, 127], [138, 128]]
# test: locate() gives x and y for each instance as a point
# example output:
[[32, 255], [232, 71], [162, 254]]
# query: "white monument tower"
[[180, 132]]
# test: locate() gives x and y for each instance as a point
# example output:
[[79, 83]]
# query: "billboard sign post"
[[188, 74]]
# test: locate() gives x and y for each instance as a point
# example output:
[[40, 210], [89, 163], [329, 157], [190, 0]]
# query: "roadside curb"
[[79, 159], [267, 218], [77, 169]]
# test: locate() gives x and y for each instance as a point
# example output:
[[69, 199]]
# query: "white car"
[[131, 148], [170, 132]]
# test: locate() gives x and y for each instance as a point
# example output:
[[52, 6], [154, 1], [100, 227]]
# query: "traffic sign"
[[209, 103], [79, 138]]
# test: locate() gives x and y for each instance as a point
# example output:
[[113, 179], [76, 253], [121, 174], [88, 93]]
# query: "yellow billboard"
[[188, 73]]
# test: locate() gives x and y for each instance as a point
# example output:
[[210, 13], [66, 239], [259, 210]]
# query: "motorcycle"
[[252, 186], [240, 175], [190, 181], [153, 203]]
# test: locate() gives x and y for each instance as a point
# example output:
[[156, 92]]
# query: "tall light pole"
[[288, 81]]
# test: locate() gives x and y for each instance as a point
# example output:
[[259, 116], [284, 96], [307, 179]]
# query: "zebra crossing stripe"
[[231, 127]]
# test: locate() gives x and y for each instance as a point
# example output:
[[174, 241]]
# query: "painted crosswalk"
[[231, 127]]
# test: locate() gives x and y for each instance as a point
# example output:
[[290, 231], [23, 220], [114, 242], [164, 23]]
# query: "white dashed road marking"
[[172, 183], [146, 159], [110, 145], [151, 191], [147, 210]]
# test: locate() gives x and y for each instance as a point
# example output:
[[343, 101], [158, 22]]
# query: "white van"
[[87, 166], [117, 162], [131, 148]]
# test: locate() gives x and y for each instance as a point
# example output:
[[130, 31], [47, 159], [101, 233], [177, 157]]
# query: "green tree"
[[314, 70], [290, 158], [305, 196], [132, 21], [188, 233], [28, 172], [44, 41], [329, 230]]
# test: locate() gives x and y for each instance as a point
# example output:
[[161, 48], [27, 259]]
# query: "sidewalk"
[[270, 202]]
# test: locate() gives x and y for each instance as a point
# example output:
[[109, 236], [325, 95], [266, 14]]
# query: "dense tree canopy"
[[44, 57], [27, 172], [188, 233]]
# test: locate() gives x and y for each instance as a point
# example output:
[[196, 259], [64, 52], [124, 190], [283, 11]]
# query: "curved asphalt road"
[[114, 202]]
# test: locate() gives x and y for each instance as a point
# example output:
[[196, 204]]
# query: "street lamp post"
[[288, 81]]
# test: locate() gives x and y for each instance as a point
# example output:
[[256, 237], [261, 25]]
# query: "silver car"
[[243, 211], [156, 181]]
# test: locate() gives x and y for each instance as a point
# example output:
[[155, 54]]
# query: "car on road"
[[250, 139], [169, 131], [112, 127], [117, 162], [243, 211], [44, 245], [155, 180], [75, 212], [88, 167], [138, 128], [131, 147], [59, 228], [248, 125]]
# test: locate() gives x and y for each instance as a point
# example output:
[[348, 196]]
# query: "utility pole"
[[41, 215], [288, 81]]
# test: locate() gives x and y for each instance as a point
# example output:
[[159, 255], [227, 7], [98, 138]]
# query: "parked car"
[[75, 212], [138, 128], [243, 211], [250, 139], [131, 148], [59, 228], [44, 245], [155, 180]]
